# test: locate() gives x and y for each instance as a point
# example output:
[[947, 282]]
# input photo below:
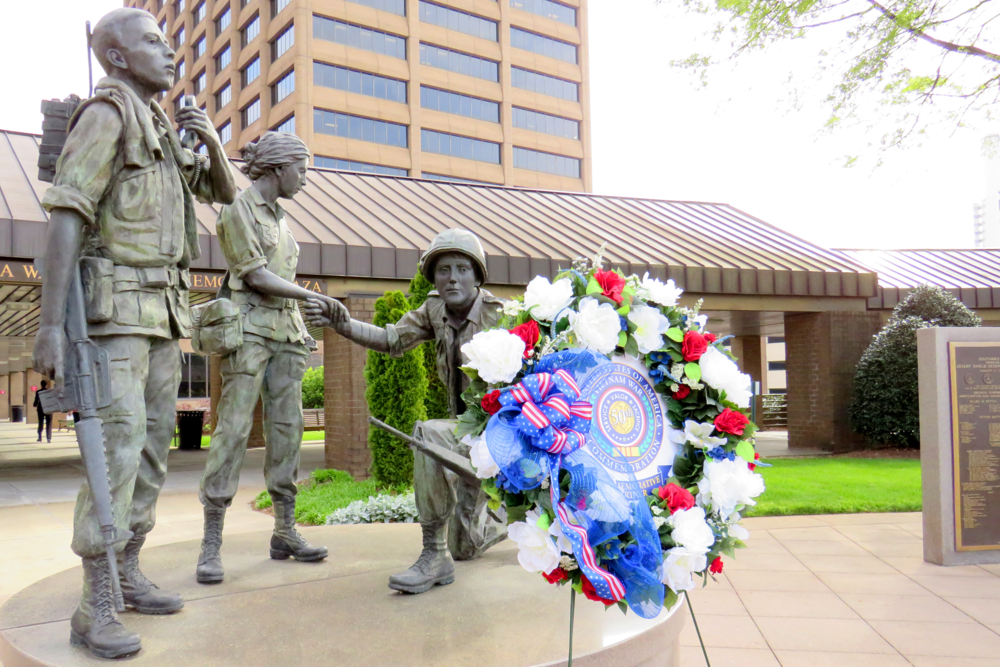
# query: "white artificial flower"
[[700, 435], [697, 323], [513, 308], [650, 327], [496, 354], [596, 325], [727, 485], [548, 298], [738, 531], [679, 567], [656, 291], [720, 372], [691, 530], [537, 551], [482, 460], [562, 542]]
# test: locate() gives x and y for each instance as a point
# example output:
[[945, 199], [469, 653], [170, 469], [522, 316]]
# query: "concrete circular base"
[[340, 612]]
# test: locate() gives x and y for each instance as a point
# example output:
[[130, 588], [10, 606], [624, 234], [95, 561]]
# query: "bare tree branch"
[[940, 43]]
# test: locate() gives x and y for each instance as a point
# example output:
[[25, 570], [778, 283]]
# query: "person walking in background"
[[43, 419]]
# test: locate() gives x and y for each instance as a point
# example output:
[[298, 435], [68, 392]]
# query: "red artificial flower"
[[611, 284], [731, 421], [676, 497], [682, 392], [588, 590], [529, 333], [710, 337], [556, 576], [753, 466], [491, 402], [694, 346], [716, 566]]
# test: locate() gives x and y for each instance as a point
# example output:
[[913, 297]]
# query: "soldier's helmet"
[[454, 240]]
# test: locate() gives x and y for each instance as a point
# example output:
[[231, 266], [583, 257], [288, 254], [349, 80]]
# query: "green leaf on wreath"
[[594, 287], [693, 371], [469, 424], [675, 334], [622, 338], [632, 346], [623, 310], [744, 450], [517, 513], [669, 598], [675, 355]]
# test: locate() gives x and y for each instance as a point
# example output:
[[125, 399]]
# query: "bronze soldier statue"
[[453, 513], [122, 200], [262, 257]]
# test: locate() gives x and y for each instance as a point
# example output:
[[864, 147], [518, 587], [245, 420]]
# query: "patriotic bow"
[[546, 409]]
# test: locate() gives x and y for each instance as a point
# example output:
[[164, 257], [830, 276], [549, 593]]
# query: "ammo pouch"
[[217, 327], [97, 275]]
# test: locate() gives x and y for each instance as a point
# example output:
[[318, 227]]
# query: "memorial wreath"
[[565, 417]]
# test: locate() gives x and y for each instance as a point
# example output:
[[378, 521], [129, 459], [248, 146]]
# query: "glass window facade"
[[450, 179], [199, 82], [163, 26], [548, 9], [560, 165], [222, 21], [223, 97], [460, 63], [179, 38], [284, 87], [461, 105], [284, 42], [194, 375], [362, 83], [250, 30], [223, 59], [199, 13], [250, 72], [452, 19], [226, 133], [180, 70], [542, 45], [458, 146], [526, 119], [278, 5], [358, 37], [397, 7], [543, 84], [287, 125], [250, 114], [199, 48], [357, 127], [363, 167]]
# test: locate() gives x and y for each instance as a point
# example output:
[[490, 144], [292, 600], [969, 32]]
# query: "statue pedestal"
[[341, 612]]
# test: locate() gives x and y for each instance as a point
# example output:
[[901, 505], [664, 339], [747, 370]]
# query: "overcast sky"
[[655, 133]]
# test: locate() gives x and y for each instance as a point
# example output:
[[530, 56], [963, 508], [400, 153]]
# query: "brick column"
[[822, 351], [751, 355], [256, 438], [214, 387], [5, 396], [344, 403], [17, 388]]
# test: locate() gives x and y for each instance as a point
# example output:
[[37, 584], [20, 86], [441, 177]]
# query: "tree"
[[312, 388], [437, 395], [395, 395], [915, 56], [886, 407]]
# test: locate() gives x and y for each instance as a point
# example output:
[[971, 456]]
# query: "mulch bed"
[[884, 453]]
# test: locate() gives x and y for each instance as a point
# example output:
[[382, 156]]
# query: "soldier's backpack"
[[55, 128]]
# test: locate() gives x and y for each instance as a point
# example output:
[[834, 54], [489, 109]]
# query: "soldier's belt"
[[152, 276]]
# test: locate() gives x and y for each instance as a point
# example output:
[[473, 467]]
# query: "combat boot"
[[210, 569], [95, 622], [434, 567], [139, 592], [286, 541]]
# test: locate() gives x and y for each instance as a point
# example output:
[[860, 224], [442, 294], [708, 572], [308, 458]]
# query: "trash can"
[[17, 413], [189, 426]]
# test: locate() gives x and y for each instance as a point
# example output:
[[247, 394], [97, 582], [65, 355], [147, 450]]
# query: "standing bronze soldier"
[[453, 513], [262, 257], [122, 200]]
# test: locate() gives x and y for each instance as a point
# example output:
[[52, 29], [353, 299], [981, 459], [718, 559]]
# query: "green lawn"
[[308, 436], [324, 492], [839, 486]]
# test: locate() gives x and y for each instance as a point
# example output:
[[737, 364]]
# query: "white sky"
[[655, 133]]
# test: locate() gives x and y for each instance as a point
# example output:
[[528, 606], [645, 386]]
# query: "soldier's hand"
[[326, 312], [49, 355], [197, 121]]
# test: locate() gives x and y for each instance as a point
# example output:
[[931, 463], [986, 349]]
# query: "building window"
[[287, 125], [199, 48], [560, 165], [358, 37], [250, 30], [526, 119], [456, 146], [163, 26], [226, 133], [199, 13], [278, 5], [194, 376], [178, 103], [452, 19], [460, 63], [356, 127], [223, 97], [776, 365], [179, 70], [542, 45], [200, 82], [223, 59], [548, 9], [544, 85], [179, 6], [283, 88], [223, 21], [461, 105], [362, 83], [452, 179], [250, 73], [363, 167], [397, 7], [179, 38], [284, 42], [250, 114]]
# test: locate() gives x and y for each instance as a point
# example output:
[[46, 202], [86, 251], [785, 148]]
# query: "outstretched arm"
[[320, 313]]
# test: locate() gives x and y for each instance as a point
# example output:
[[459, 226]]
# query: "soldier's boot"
[[139, 592], [286, 541], [434, 567], [210, 569], [95, 622]]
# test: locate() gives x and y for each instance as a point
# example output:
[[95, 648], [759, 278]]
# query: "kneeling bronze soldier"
[[453, 513]]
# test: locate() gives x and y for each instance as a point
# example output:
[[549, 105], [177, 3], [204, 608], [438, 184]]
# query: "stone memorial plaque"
[[975, 414]]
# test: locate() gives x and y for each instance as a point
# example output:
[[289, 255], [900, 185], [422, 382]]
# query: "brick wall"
[[344, 395]]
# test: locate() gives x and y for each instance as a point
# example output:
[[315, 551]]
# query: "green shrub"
[[436, 400], [312, 388], [885, 407], [395, 394]]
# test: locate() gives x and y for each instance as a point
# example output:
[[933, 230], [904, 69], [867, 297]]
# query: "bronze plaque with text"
[[975, 432]]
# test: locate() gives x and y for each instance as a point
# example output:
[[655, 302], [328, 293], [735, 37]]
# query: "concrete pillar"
[[822, 352], [751, 355], [17, 388], [32, 379], [214, 387], [256, 438], [344, 403], [4, 396]]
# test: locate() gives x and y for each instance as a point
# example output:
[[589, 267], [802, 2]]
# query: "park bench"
[[314, 419]]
